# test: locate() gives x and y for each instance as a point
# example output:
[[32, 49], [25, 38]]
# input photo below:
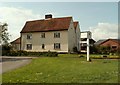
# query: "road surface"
[[13, 63]]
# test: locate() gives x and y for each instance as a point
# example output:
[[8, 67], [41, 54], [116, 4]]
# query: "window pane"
[[42, 35], [43, 46], [57, 46], [29, 36], [114, 47], [29, 46], [56, 35]]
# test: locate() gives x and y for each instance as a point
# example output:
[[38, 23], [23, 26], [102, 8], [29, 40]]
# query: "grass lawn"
[[67, 68]]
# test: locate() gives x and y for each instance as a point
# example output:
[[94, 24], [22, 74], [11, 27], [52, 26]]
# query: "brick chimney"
[[48, 16]]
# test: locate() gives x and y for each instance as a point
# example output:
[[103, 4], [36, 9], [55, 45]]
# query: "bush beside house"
[[25, 53]]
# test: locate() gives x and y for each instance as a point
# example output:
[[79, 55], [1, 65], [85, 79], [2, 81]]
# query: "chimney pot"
[[48, 16]]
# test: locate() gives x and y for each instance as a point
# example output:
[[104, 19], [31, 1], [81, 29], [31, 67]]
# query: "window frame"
[[42, 35], [29, 36], [29, 46], [56, 34], [114, 46], [58, 46], [43, 46]]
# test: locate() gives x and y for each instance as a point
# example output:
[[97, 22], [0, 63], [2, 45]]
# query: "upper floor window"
[[29, 46], [56, 45], [29, 36], [56, 35], [42, 35]]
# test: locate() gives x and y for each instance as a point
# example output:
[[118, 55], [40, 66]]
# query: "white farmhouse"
[[50, 34]]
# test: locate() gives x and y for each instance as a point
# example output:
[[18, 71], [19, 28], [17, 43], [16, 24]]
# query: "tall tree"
[[4, 35]]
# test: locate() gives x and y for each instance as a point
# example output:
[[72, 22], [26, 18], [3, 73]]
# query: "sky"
[[101, 18]]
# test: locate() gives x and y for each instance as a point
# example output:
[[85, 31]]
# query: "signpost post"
[[88, 50], [88, 46], [87, 34]]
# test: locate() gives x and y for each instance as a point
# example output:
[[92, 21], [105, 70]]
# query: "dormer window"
[[56, 35], [42, 35], [29, 36]]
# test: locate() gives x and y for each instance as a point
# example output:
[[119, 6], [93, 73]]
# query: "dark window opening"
[[29, 36], [56, 45], [57, 35], [43, 46], [42, 35], [29, 46], [114, 47]]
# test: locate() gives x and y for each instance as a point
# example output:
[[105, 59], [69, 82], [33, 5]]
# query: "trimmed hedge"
[[105, 57], [25, 53]]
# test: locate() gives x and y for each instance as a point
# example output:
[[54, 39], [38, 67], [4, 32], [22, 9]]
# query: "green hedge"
[[105, 57], [25, 53]]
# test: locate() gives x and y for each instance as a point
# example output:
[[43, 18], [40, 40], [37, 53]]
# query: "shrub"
[[75, 49], [13, 53], [52, 54], [81, 56], [105, 57], [25, 53], [6, 49]]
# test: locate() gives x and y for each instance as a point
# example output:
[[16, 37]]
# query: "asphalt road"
[[13, 63], [10, 65]]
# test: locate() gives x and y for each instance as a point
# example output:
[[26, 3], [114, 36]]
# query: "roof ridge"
[[52, 24], [49, 19], [75, 21]]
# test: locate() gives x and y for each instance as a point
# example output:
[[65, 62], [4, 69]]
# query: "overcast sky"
[[101, 18]]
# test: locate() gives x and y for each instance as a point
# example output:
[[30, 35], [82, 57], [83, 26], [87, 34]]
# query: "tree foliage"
[[4, 35]]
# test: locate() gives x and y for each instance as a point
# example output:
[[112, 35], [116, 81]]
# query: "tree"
[[4, 35], [93, 49]]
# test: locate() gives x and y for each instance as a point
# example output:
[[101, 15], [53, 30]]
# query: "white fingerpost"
[[88, 51], [88, 46]]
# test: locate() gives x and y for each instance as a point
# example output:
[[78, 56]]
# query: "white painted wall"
[[49, 41], [71, 37], [78, 35]]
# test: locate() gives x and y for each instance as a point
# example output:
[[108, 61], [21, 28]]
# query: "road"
[[14, 63]]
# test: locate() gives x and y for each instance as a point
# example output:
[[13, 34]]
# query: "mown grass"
[[67, 68]]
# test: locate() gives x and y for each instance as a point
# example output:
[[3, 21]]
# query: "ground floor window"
[[43, 46], [56, 45], [114, 47], [29, 46]]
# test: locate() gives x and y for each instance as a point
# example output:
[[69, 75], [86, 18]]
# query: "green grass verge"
[[67, 68]]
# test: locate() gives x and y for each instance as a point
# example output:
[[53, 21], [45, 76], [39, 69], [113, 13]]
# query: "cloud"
[[104, 31], [16, 18]]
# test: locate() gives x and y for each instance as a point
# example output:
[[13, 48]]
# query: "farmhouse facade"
[[50, 34]]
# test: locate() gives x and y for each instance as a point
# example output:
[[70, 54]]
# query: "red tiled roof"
[[53, 24], [75, 24], [105, 40], [17, 41]]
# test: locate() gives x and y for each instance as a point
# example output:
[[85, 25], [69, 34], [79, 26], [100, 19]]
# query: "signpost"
[[88, 46], [87, 34], [88, 50]]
